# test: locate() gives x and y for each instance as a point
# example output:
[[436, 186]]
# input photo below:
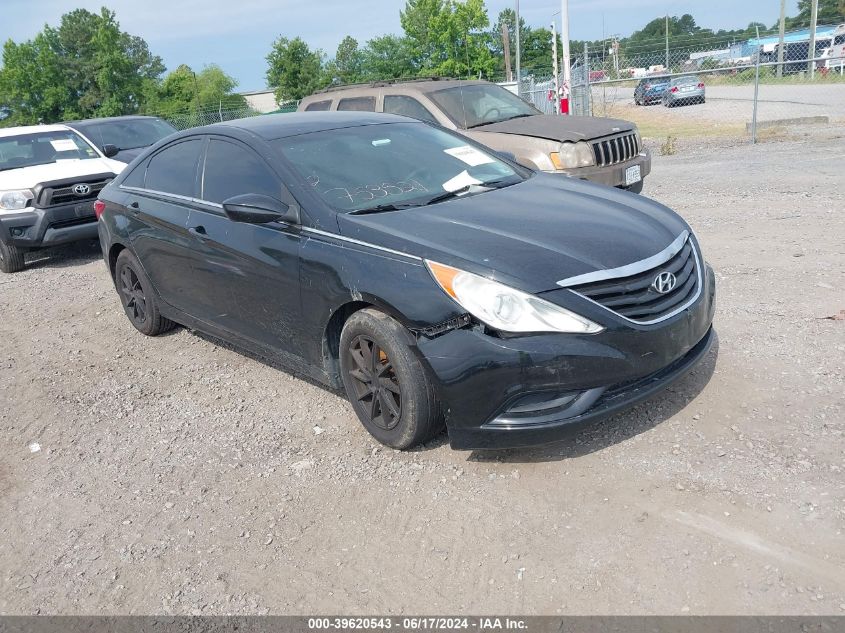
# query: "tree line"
[[88, 67]]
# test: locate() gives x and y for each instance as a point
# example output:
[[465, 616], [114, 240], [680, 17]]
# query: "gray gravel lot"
[[175, 475]]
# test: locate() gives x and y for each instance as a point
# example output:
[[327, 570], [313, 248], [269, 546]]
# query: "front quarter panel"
[[336, 273]]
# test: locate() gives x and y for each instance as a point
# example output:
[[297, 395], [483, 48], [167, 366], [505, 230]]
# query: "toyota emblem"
[[81, 189], [664, 282]]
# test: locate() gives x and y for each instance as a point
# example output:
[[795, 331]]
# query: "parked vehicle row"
[[670, 91], [50, 176]]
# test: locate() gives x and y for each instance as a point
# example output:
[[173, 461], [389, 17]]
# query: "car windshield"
[[480, 104], [392, 166], [43, 148], [127, 134]]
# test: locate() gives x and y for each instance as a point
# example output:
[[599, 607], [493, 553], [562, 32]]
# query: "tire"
[[137, 296], [11, 258], [404, 411]]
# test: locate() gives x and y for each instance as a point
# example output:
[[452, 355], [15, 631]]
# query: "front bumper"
[[613, 175], [480, 377], [34, 228]]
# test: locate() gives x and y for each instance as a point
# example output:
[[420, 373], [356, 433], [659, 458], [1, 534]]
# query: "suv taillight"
[[701, 85], [674, 89], [99, 207]]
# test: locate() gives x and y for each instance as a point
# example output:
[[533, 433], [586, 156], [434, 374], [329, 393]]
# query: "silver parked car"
[[684, 91]]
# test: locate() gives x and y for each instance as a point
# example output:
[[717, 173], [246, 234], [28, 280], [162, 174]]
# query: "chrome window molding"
[[629, 269]]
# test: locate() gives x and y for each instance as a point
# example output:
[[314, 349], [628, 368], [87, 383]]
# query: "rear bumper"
[[613, 175], [39, 228], [484, 381]]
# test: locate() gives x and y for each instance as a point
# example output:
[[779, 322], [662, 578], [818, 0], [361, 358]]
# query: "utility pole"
[[506, 49], [781, 30], [518, 61], [564, 37], [556, 98], [667, 42], [811, 52]]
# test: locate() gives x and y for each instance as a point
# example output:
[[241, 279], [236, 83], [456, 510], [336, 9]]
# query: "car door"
[[159, 209], [245, 276]]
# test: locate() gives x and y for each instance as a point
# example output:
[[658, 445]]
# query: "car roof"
[[32, 129], [418, 85], [274, 126]]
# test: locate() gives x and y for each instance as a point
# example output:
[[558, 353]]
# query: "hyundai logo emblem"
[[664, 282], [81, 189]]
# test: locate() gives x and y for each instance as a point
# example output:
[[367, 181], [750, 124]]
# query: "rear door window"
[[358, 104], [174, 169], [319, 106], [233, 170], [407, 106]]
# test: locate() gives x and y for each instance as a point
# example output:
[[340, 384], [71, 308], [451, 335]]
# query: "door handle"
[[198, 231]]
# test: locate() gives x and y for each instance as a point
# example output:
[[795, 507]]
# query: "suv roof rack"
[[380, 83]]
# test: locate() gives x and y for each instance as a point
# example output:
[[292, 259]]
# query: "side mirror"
[[110, 151], [253, 208]]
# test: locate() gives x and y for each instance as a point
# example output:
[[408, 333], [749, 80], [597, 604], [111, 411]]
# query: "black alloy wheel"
[[390, 390], [134, 300], [374, 382], [140, 303]]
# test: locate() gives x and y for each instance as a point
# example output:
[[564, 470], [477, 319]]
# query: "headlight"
[[504, 308], [15, 200], [572, 155]]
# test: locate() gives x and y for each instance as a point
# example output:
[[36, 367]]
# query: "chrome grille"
[[616, 150], [634, 297], [64, 195]]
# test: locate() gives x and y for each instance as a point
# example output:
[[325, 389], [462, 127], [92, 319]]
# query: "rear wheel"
[[137, 296], [387, 385], [11, 258]]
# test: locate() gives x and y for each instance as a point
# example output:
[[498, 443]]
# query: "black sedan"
[[123, 137], [433, 280]]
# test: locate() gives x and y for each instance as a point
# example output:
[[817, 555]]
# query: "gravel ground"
[[175, 475], [730, 105]]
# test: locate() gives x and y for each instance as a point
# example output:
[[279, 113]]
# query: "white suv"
[[49, 179]]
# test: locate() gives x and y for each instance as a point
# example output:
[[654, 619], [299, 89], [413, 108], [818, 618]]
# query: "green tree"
[[387, 57], [86, 67], [830, 12], [347, 60], [183, 91], [295, 71], [449, 37]]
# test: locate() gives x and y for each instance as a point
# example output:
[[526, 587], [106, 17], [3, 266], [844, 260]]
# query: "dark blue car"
[[650, 90]]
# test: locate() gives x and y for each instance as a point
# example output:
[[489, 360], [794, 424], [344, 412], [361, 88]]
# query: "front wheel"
[[139, 300], [388, 386], [11, 258]]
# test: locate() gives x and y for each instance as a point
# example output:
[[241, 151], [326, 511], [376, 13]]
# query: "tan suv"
[[607, 151]]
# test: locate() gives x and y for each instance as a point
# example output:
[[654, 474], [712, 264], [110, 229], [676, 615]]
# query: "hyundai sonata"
[[431, 279]]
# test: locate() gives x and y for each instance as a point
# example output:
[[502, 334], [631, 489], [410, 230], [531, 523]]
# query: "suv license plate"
[[632, 175]]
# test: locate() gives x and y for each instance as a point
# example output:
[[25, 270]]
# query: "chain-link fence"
[[195, 117], [742, 91]]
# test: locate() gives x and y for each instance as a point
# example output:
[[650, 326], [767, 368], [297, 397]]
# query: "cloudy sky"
[[237, 34]]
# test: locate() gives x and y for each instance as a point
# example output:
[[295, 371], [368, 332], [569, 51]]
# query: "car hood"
[[559, 128], [530, 235], [28, 177]]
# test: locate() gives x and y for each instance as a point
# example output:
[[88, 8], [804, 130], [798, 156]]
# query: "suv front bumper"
[[33, 228], [613, 175]]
